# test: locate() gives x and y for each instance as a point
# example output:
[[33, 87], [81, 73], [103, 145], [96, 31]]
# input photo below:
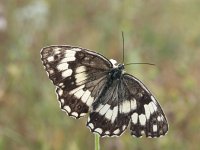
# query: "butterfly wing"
[[111, 111], [148, 117], [127, 100], [77, 73]]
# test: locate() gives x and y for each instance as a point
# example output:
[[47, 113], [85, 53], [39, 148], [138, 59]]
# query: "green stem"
[[97, 143]]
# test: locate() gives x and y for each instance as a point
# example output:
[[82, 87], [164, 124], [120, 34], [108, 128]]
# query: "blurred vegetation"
[[166, 33]]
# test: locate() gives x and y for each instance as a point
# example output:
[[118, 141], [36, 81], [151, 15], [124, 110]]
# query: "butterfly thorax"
[[113, 78], [117, 72]]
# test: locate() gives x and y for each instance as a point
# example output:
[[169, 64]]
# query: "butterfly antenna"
[[140, 64], [123, 45], [132, 63]]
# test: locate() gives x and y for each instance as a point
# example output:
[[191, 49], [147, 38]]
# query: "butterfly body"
[[116, 73], [87, 82]]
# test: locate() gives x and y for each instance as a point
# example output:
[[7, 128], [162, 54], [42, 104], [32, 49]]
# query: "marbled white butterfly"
[[87, 82]]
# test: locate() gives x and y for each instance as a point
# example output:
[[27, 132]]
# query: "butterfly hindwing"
[[76, 72], [148, 118], [127, 101], [111, 111]]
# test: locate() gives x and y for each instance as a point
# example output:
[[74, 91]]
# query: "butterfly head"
[[120, 67], [115, 65]]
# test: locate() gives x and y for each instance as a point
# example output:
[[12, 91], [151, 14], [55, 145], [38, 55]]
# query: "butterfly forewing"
[[87, 82], [76, 72], [64, 62]]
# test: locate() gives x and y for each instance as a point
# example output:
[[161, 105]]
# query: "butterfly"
[[87, 82]]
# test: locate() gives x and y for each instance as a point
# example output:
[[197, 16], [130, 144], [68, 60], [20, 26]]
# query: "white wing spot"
[[159, 118], [107, 132], [124, 127], [91, 125], [67, 59], [62, 66], [80, 77], [47, 65], [60, 92], [108, 114], [67, 108], [147, 111], [82, 114], [104, 109], [75, 114], [142, 119], [142, 132], [79, 93], [154, 106], [62, 101], [57, 50], [80, 69], [99, 130], [61, 84], [116, 131], [50, 59], [125, 107], [151, 108], [115, 113], [133, 104], [162, 118], [155, 128], [67, 73], [76, 89], [70, 53], [90, 101], [134, 118], [85, 96], [51, 71]]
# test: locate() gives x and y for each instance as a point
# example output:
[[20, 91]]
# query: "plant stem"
[[97, 143]]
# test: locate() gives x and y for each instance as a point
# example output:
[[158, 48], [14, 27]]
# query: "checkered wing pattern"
[[147, 118], [77, 73], [127, 101], [87, 82]]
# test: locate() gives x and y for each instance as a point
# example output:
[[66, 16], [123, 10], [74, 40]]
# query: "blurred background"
[[166, 33]]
